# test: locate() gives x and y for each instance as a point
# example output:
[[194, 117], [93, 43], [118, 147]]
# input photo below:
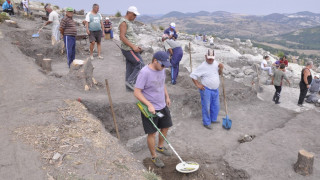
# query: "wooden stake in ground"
[[111, 106], [39, 59], [190, 57], [304, 165], [46, 65]]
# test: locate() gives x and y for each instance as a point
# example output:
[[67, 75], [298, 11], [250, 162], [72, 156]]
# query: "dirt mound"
[[42, 45]]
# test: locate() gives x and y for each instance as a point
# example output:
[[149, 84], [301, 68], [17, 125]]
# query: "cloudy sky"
[[251, 7]]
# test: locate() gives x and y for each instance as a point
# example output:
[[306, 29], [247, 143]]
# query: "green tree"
[[280, 54], [118, 14]]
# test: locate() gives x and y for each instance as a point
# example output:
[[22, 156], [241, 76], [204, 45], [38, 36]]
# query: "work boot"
[[274, 97], [164, 151], [208, 126], [158, 162], [130, 86]]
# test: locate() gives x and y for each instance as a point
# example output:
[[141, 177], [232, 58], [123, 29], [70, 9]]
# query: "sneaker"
[[100, 57], [208, 126], [173, 82], [164, 151], [91, 57], [277, 102], [157, 162], [130, 86], [215, 121], [300, 105]]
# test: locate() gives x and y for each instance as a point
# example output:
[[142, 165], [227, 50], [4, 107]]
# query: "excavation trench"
[[185, 107]]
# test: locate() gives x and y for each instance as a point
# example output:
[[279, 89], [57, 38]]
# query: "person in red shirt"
[[284, 61]]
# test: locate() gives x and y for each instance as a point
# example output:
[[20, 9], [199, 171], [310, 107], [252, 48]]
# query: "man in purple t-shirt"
[[150, 89]]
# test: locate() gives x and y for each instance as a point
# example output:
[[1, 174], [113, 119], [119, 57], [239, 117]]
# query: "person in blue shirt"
[[171, 31], [7, 7]]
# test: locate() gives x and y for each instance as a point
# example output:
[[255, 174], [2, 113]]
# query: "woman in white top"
[[264, 65]]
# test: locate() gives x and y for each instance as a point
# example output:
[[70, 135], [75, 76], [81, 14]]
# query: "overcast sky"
[[251, 7]]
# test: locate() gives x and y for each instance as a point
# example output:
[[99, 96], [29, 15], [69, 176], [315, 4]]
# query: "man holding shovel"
[[208, 72], [54, 19], [150, 89]]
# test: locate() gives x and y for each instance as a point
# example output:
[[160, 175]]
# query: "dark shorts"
[[95, 36], [164, 122]]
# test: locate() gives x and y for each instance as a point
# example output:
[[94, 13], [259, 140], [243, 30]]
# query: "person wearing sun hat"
[[68, 30], [108, 27], [208, 72], [151, 90], [171, 31], [129, 47]]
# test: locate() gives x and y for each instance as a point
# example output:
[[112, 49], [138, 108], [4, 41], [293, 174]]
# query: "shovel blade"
[[226, 123], [35, 35]]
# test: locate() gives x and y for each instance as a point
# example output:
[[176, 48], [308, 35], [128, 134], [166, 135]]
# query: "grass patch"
[[150, 175], [3, 17]]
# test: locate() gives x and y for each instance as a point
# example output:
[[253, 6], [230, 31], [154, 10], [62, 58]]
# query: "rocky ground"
[[51, 128]]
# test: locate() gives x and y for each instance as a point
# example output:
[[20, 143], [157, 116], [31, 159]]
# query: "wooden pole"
[[190, 57], [111, 106]]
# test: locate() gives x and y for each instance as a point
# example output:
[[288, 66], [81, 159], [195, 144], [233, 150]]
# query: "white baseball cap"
[[210, 54], [134, 10], [107, 18], [172, 25]]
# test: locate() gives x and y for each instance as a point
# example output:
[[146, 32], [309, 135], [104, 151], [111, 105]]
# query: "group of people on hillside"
[[148, 82], [306, 82], [7, 6]]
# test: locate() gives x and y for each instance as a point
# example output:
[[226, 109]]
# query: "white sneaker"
[[91, 57], [100, 57]]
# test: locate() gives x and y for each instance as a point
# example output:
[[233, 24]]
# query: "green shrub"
[[161, 28], [3, 17], [118, 14], [42, 4], [280, 54]]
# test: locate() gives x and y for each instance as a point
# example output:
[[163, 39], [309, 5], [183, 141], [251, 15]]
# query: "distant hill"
[[308, 38], [230, 25]]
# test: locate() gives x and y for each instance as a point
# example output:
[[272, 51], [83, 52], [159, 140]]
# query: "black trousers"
[[276, 96], [9, 11], [303, 93]]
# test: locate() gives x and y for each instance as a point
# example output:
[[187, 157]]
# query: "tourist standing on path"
[[151, 90], [175, 51], [108, 27], [208, 72], [69, 32], [171, 31], [130, 50], [95, 29], [306, 79], [277, 78], [54, 19], [7, 7], [25, 4]]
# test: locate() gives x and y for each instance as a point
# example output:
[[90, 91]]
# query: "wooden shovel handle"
[[224, 95]]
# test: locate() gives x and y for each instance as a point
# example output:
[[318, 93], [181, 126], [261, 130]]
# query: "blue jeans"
[[70, 44], [111, 33], [210, 105], [175, 60]]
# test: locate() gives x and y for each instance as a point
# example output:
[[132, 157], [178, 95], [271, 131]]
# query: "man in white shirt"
[[208, 72], [54, 18], [26, 6]]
